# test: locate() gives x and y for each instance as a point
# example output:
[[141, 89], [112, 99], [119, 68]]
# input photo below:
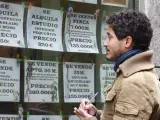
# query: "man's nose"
[[106, 43]]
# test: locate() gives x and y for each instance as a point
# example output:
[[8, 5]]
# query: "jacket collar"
[[138, 62], [125, 56]]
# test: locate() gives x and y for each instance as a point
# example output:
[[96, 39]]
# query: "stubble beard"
[[115, 56]]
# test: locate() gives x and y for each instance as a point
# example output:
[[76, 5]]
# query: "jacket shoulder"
[[148, 79]]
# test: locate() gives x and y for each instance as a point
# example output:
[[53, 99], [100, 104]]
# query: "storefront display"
[[52, 56]]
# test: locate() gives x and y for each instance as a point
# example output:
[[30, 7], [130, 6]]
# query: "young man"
[[135, 93]]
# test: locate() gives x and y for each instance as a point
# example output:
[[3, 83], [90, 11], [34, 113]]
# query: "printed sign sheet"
[[80, 33], [10, 117], [78, 81], [86, 1], [9, 80], [119, 3], [11, 25], [73, 117], [107, 76], [104, 36], [45, 117], [41, 81], [44, 29]]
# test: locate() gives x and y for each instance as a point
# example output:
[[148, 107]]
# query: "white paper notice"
[[103, 36], [86, 1], [78, 81], [119, 3], [11, 25], [74, 117], [41, 81], [45, 117], [44, 29], [80, 33], [10, 117], [107, 76], [9, 80]]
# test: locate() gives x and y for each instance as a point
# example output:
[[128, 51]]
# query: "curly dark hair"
[[132, 23]]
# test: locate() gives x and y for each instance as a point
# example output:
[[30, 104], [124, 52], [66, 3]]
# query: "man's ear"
[[128, 42]]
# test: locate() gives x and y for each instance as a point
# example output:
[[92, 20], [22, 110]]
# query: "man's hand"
[[89, 108], [82, 114]]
